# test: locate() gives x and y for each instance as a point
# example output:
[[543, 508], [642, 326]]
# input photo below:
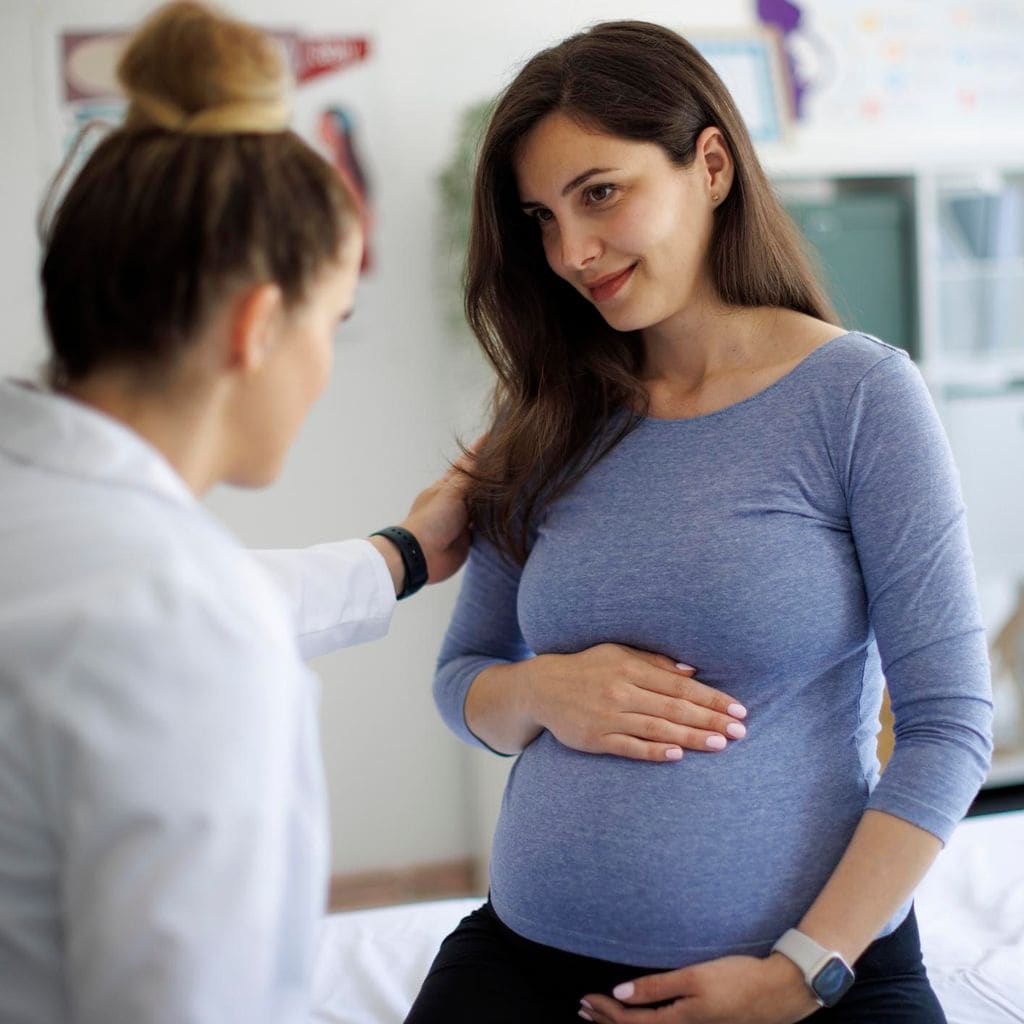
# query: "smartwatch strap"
[[825, 971], [803, 951], [413, 559]]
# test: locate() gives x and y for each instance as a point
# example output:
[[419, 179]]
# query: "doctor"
[[163, 852]]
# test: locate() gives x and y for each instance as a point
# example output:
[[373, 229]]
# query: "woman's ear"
[[253, 326], [716, 162]]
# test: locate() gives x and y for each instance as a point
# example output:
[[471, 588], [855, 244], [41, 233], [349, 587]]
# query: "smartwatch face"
[[832, 982]]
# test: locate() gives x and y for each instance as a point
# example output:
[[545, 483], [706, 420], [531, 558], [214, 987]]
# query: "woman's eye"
[[599, 193], [539, 214]]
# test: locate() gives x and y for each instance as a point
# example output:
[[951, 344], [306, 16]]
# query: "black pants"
[[485, 973]]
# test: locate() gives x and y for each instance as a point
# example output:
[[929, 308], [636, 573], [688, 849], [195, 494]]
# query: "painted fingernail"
[[585, 1015], [624, 991], [736, 731], [737, 711], [685, 668], [674, 754], [583, 1002], [716, 742]]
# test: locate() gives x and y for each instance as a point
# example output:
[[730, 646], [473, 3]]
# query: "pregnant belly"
[[665, 864]]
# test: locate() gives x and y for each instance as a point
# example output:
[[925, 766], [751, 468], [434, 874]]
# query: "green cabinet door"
[[866, 249]]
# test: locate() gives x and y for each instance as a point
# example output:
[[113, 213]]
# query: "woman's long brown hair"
[[562, 373]]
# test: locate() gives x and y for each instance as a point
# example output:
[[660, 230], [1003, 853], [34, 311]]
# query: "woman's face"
[[621, 223]]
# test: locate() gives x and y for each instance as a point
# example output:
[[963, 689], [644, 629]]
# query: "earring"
[[714, 197]]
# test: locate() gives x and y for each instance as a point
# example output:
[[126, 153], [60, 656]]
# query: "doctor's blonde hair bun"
[[203, 191], [190, 68]]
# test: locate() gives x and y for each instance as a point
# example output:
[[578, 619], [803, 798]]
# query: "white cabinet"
[[979, 266], [987, 435]]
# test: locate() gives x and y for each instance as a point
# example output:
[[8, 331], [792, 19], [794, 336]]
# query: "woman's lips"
[[608, 287]]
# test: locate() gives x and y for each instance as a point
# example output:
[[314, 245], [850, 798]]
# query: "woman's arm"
[[883, 864], [493, 692]]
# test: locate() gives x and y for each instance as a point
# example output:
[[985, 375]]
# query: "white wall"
[[20, 177], [402, 790]]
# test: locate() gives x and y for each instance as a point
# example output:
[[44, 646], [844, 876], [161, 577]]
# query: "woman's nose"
[[578, 246]]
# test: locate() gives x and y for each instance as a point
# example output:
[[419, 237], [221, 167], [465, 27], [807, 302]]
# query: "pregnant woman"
[[690, 464]]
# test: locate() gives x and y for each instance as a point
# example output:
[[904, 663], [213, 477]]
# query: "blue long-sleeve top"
[[799, 548]]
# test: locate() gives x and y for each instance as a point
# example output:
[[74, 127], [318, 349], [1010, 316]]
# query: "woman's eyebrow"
[[575, 183], [580, 178]]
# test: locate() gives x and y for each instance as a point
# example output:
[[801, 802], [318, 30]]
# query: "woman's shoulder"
[[827, 364], [840, 355], [865, 370], [868, 390], [863, 352], [799, 336]]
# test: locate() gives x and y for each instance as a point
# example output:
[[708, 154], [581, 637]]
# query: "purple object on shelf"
[[786, 17]]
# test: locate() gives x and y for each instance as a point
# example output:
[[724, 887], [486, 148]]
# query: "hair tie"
[[265, 117]]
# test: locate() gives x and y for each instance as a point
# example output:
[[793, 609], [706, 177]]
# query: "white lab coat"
[[163, 842]]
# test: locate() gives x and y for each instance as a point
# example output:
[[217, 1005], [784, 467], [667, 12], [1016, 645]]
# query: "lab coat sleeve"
[[191, 810], [341, 594]]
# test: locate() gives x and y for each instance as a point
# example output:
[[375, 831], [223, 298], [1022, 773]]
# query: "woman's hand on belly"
[[731, 990], [612, 699]]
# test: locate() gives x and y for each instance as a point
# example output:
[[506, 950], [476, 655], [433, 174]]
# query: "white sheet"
[[970, 907], [971, 911]]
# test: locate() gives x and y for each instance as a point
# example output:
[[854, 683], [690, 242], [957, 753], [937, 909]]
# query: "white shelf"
[[865, 155], [975, 370], [980, 270]]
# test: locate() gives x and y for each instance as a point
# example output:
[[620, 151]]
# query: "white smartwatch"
[[827, 974]]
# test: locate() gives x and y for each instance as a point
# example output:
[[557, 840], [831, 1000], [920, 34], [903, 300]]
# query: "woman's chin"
[[625, 320]]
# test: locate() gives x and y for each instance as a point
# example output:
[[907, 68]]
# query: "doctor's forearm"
[[885, 860]]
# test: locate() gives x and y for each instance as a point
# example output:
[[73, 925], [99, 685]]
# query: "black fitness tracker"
[[413, 559], [827, 974]]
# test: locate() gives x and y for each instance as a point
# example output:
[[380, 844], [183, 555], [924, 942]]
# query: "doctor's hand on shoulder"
[[432, 542]]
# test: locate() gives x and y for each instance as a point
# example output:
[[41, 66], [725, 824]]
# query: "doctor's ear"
[[253, 323]]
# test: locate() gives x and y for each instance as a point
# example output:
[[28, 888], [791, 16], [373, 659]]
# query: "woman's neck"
[[705, 341], [707, 363]]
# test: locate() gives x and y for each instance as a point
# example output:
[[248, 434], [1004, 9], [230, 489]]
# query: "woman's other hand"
[[731, 990], [612, 699]]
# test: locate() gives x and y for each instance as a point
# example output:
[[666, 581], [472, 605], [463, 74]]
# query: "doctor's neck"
[[183, 420]]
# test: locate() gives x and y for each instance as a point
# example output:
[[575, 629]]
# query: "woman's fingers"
[[622, 745], [671, 681], [680, 711], [652, 738], [660, 730]]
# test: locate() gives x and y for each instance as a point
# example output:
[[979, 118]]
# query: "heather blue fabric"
[[794, 547]]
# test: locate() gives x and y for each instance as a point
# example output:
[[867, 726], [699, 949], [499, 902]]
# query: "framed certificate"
[[753, 68]]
